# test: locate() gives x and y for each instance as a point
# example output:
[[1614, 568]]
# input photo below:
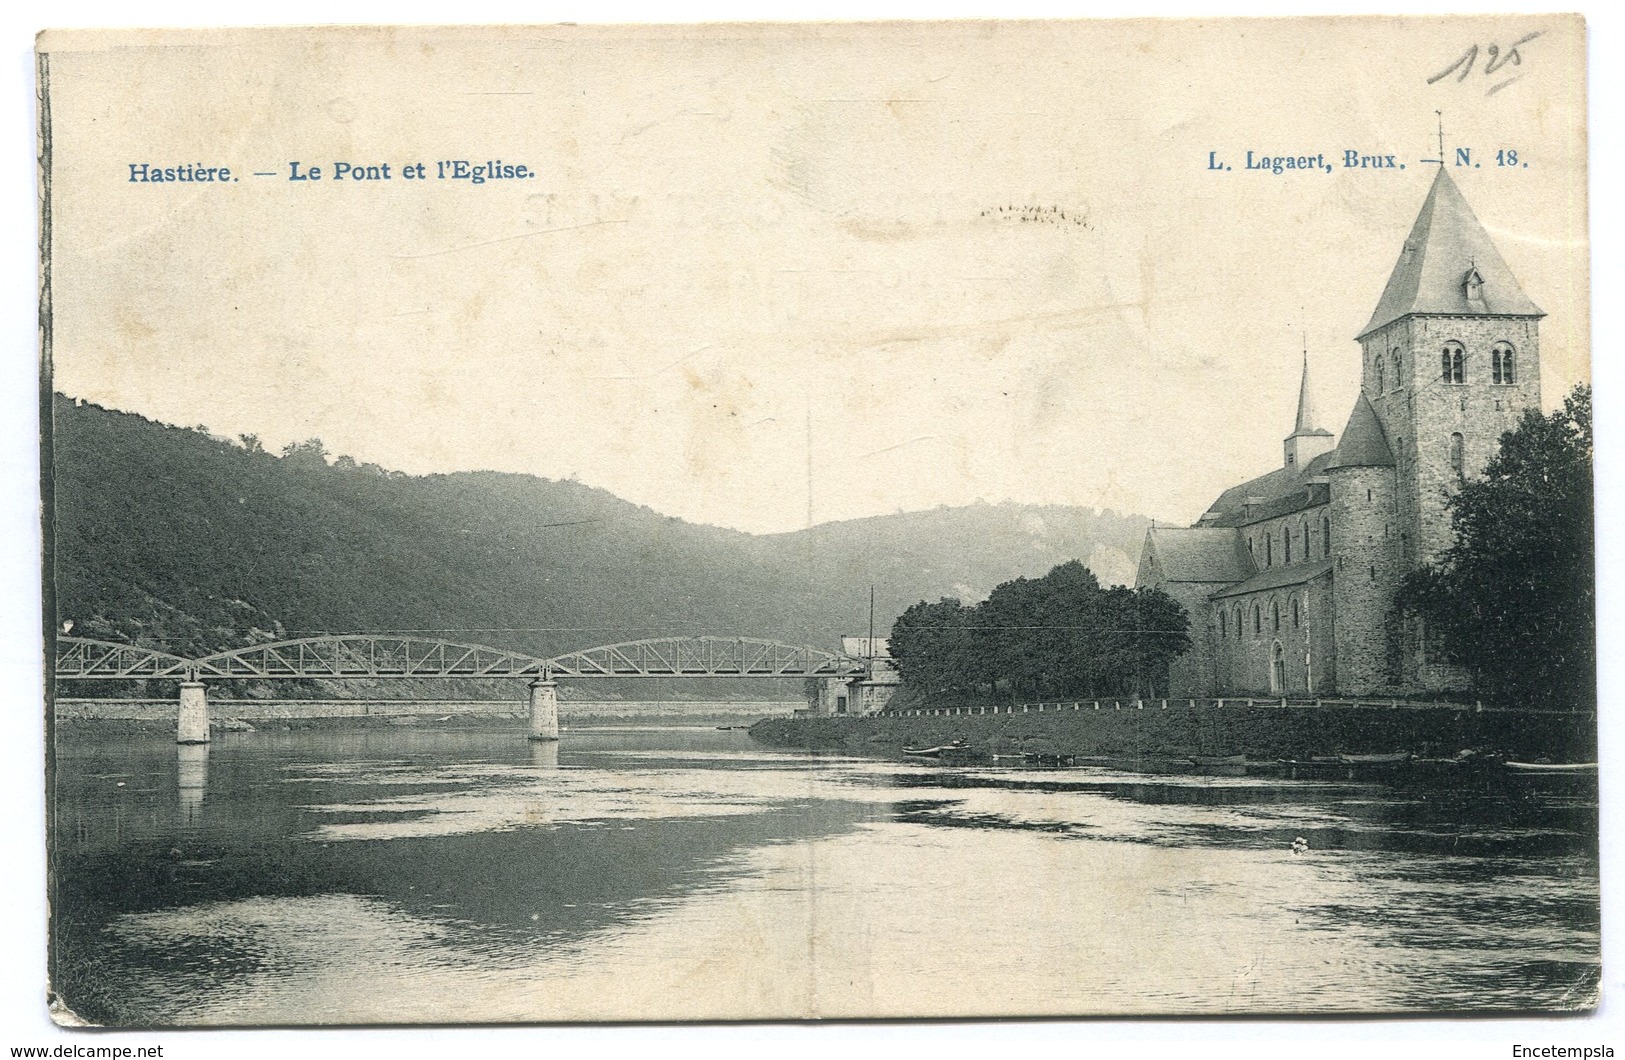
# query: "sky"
[[772, 274]]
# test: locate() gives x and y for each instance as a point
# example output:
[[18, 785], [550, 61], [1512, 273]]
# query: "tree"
[[1164, 635], [1056, 636], [928, 644], [309, 454], [1513, 599]]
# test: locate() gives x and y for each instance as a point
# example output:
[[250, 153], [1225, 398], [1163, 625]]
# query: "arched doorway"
[[1277, 670]]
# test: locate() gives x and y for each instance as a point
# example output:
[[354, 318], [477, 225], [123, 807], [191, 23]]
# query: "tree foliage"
[[1059, 635], [1514, 598]]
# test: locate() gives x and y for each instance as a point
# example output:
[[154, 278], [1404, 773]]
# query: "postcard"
[[788, 521]]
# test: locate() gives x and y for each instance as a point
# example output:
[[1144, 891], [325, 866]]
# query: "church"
[[1290, 579]]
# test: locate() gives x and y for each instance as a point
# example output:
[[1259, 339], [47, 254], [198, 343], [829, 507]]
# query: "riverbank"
[[1267, 731]]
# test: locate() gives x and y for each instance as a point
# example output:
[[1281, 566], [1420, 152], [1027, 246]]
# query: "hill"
[[169, 536]]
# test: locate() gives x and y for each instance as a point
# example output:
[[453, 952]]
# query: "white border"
[[23, 1020]]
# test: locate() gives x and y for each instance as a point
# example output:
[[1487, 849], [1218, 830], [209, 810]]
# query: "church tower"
[[1307, 440], [1451, 361]]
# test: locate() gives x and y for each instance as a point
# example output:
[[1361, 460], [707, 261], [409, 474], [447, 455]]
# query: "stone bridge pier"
[[544, 709], [193, 726]]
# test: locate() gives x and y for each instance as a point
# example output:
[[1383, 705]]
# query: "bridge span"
[[388, 656]]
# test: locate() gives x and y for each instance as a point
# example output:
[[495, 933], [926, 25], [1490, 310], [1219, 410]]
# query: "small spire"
[[1306, 408]]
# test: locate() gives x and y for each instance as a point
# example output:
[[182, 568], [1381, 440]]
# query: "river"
[[434, 874]]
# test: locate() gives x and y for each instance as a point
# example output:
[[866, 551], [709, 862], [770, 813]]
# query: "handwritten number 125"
[[1495, 59]]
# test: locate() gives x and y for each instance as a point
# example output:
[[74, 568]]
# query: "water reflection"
[[419, 875], [544, 754], [192, 779]]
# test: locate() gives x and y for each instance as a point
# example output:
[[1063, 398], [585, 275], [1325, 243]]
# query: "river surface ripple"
[[427, 874]]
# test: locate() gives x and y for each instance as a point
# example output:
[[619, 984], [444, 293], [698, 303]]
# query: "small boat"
[[956, 747], [1397, 758], [1218, 760], [1553, 768]]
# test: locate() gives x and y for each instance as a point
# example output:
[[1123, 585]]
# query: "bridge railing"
[[85, 659], [400, 656], [705, 657], [368, 656]]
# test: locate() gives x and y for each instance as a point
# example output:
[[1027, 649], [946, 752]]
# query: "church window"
[[1456, 443], [1275, 616], [1295, 616], [1286, 544], [1398, 378], [1326, 535], [1269, 550], [1450, 366], [1258, 620], [1224, 626], [1379, 374], [1238, 623], [1503, 368]]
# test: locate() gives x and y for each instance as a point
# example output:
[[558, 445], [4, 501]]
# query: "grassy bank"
[[1179, 729]]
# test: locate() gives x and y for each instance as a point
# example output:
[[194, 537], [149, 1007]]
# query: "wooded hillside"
[[166, 535]]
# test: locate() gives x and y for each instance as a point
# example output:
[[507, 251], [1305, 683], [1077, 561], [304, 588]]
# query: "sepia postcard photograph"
[[829, 520]]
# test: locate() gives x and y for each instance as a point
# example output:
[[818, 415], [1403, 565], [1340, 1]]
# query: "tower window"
[[1456, 443], [1379, 374], [1224, 626], [1258, 622], [1275, 616], [1326, 535], [1269, 550], [1286, 544], [1399, 380], [1503, 364], [1450, 366], [1473, 286], [1294, 612], [1238, 623]]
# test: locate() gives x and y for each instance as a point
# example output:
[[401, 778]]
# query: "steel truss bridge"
[[394, 656]]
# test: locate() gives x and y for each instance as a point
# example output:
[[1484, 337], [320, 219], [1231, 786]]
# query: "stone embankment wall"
[[1260, 730]]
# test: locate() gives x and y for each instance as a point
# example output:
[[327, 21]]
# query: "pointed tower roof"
[[1363, 443], [1446, 244], [1306, 424]]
